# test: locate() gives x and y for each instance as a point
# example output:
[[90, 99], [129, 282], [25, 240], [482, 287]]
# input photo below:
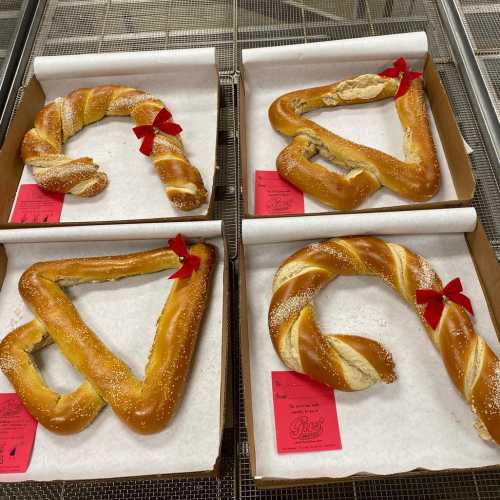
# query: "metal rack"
[[83, 26]]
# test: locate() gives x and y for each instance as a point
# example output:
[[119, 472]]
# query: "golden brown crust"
[[472, 366], [145, 406], [416, 178], [59, 120]]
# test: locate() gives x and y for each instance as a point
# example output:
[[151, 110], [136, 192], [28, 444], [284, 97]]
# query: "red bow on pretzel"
[[148, 131], [435, 301], [401, 68], [190, 262]]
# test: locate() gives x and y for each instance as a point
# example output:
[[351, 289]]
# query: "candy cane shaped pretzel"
[[417, 178], [61, 119], [354, 363]]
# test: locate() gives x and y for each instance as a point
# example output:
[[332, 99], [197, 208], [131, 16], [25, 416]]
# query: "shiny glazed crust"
[[355, 363], [145, 406], [64, 117], [417, 178]]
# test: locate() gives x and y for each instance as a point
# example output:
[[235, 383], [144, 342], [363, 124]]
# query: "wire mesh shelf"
[[92, 26]]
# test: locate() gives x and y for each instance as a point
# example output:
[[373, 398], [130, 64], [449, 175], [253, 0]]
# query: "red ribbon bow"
[[401, 68], [435, 302], [190, 262], [148, 131]]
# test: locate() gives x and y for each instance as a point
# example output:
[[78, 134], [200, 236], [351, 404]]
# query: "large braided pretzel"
[[352, 363], [416, 178], [145, 406], [61, 119]]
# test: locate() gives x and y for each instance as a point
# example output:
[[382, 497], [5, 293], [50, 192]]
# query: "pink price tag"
[[17, 434], [37, 206], [275, 196], [305, 414]]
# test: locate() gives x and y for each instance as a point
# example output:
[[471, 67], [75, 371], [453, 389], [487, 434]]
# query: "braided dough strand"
[[416, 178], [145, 406], [60, 120], [354, 363]]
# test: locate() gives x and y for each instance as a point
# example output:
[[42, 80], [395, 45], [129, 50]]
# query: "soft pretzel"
[[61, 119], [145, 406], [416, 178], [354, 363]]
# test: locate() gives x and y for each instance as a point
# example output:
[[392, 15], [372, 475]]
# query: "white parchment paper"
[[123, 314], [273, 71], [420, 420], [105, 232], [185, 80], [280, 229]]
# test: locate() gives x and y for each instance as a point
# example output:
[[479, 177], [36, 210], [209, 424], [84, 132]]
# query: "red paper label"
[[275, 196], [34, 205], [17, 434], [305, 414]]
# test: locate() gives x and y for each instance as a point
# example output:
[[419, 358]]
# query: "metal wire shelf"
[[91, 26]]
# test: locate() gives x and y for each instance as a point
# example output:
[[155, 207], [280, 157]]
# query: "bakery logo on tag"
[[304, 429], [305, 414]]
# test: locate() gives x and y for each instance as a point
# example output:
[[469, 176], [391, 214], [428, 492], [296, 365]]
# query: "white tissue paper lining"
[[123, 314], [185, 80], [421, 420], [273, 71]]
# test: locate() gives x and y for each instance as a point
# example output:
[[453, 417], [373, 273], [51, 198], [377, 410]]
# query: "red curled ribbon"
[[190, 262], [435, 301], [148, 131], [401, 68]]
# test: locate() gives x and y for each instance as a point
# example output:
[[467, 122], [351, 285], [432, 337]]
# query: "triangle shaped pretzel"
[[417, 178], [146, 406]]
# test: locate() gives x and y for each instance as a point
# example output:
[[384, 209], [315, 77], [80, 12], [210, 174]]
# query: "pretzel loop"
[[351, 363], [416, 178], [145, 406], [64, 117]]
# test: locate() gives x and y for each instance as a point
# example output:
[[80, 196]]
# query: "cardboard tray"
[[32, 101], [215, 470], [488, 270], [449, 132]]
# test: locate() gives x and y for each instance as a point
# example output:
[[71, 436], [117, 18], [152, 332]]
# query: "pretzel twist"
[[145, 406], [416, 178], [61, 119], [354, 363]]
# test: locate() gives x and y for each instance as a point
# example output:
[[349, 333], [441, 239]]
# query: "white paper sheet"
[[273, 71], [420, 420], [123, 314], [272, 230], [159, 231], [185, 80]]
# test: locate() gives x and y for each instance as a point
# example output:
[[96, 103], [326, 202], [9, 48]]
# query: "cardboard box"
[[120, 434], [125, 202], [488, 270], [452, 141]]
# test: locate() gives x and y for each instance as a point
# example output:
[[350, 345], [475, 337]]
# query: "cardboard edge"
[[214, 472], [271, 483], [449, 132], [488, 270], [245, 359], [226, 322], [243, 143], [10, 160], [451, 138]]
